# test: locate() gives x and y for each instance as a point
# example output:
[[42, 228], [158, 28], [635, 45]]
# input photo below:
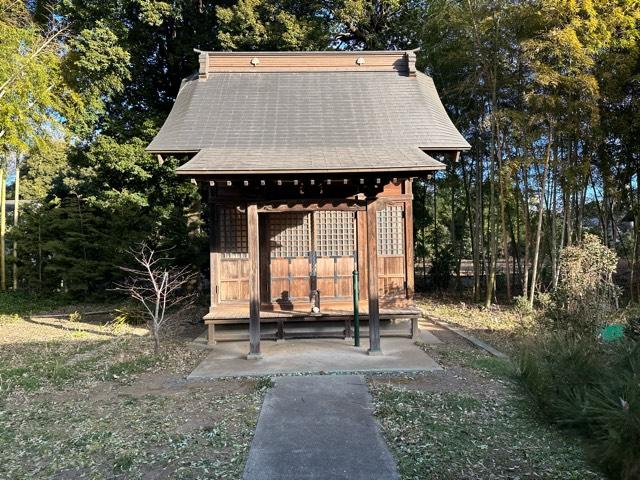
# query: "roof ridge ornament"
[[410, 55], [203, 60]]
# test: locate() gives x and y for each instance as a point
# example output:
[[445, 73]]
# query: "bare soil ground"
[[82, 399], [89, 399]]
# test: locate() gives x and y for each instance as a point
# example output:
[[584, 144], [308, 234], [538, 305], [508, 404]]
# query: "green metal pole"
[[356, 312]]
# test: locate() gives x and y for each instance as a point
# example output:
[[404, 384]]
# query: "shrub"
[[612, 414], [441, 267], [631, 316], [586, 297], [558, 369], [592, 388]]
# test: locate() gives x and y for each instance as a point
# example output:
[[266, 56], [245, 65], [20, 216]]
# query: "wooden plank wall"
[[395, 280]]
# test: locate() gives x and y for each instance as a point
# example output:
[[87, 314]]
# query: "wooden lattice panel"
[[289, 235], [335, 233], [233, 232], [391, 230]]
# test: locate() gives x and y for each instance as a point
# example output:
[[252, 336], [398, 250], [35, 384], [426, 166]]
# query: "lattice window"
[[335, 233], [289, 234], [233, 232], [391, 230]]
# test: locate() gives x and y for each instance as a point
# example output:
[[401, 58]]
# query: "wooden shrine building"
[[309, 159]]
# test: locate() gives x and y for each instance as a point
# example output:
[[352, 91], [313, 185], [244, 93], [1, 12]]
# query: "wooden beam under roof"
[[403, 61]]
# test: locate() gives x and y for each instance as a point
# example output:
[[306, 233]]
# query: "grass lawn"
[[82, 400], [470, 422]]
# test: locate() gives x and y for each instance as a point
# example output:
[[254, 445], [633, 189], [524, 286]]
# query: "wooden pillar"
[[361, 229], [408, 240], [214, 264], [214, 254], [372, 277], [253, 243]]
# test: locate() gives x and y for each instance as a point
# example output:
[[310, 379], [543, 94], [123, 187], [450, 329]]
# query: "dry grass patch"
[[470, 421], [88, 400], [499, 326]]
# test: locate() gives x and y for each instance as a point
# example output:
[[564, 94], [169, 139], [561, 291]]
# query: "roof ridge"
[[402, 61]]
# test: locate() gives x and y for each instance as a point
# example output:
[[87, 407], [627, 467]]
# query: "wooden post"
[[408, 239], [211, 334], [372, 274], [214, 250], [253, 240], [213, 262], [361, 230]]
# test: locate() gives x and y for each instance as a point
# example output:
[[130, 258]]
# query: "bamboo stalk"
[[3, 228], [536, 252], [16, 214]]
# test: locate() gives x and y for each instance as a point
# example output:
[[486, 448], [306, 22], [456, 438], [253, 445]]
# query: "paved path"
[[319, 427]]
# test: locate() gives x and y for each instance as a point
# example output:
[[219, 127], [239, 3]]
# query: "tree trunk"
[[454, 240], [467, 191], [527, 232], [553, 244], [156, 341], [16, 213], [503, 221], [515, 236], [493, 244], [536, 251], [478, 225], [493, 241], [3, 229]]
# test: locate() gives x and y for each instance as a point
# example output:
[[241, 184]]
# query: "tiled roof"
[[271, 115], [310, 159]]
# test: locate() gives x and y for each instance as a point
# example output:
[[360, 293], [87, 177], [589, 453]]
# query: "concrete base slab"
[[228, 359], [319, 427], [428, 338]]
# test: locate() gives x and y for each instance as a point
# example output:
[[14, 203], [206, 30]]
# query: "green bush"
[[631, 317], [440, 270], [21, 303], [586, 297], [592, 388]]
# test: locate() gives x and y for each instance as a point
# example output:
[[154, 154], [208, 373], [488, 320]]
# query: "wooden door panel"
[[299, 267], [335, 241], [344, 287], [299, 288], [280, 288], [289, 245], [234, 279], [231, 290], [344, 266], [326, 287], [279, 267], [292, 236], [325, 267]]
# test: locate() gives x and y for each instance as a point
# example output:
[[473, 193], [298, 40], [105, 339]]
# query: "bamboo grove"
[[546, 91]]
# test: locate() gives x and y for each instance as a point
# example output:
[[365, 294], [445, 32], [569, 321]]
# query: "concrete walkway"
[[319, 427], [228, 359]]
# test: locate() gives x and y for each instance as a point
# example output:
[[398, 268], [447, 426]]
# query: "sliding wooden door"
[[334, 245], [311, 250], [289, 246], [391, 252]]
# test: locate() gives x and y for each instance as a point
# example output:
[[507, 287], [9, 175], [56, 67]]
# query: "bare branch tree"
[[157, 287]]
